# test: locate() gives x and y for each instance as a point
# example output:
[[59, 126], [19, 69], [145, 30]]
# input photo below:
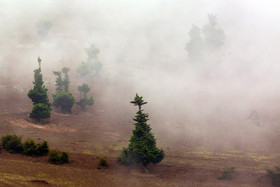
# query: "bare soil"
[[97, 132]]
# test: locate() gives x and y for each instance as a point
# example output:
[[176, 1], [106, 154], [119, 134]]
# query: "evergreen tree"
[[142, 147], [66, 80], [195, 44], [92, 66], [84, 100], [41, 106], [59, 81], [63, 98], [204, 42], [214, 36]]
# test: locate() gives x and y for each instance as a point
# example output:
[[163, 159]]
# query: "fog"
[[142, 49]]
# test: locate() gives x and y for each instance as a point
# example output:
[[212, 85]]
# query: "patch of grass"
[[227, 173], [274, 175], [87, 152]]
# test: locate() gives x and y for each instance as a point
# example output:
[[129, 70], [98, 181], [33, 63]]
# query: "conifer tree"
[[84, 100], [41, 106], [195, 44], [142, 147], [214, 36], [63, 99], [92, 66]]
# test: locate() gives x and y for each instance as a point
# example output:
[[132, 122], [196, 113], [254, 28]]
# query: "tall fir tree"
[[41, 105], [142, 147]]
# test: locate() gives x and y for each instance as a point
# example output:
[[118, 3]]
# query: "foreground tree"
[[41, 105], [63, 99], [84, 100], [142, 147]]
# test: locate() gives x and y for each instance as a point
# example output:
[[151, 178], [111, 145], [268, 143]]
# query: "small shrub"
[[29, 148], [103, 162], [32, 149], [227, 173], [12, 143], [58, 158], [274, 175], [43, 149]]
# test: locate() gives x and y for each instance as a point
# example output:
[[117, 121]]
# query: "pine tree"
[[142, 147], [195, 44], [84, 100], [63, 98], [41, 106], [214, 36], [92, 66]]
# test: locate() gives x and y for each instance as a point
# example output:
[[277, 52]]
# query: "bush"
[[227, 173], [29, 148], [84, 102], [58, 158], [12, 143], [43, 149], [274, 175], [63, 99], [103, 162], [32, 149]]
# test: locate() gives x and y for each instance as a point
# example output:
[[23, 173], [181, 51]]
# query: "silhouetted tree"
[[214, 36], [195, 44], [201, 43], [38, 95], [142, 147], [92, 66]]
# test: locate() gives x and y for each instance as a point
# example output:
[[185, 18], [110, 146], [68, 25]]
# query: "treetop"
[[138, 101]]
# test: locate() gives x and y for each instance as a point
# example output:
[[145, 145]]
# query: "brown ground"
[[96, 133]]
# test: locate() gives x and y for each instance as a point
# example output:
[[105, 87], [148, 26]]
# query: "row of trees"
[[62, 98]]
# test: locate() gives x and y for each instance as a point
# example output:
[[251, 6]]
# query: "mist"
[[142, 50]]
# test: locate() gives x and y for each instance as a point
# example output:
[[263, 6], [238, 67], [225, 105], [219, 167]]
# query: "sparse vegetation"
[[142, 147], [12, 143], [274, 175], [55, 157], [227, 173], [32, 149], [41, 105]]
